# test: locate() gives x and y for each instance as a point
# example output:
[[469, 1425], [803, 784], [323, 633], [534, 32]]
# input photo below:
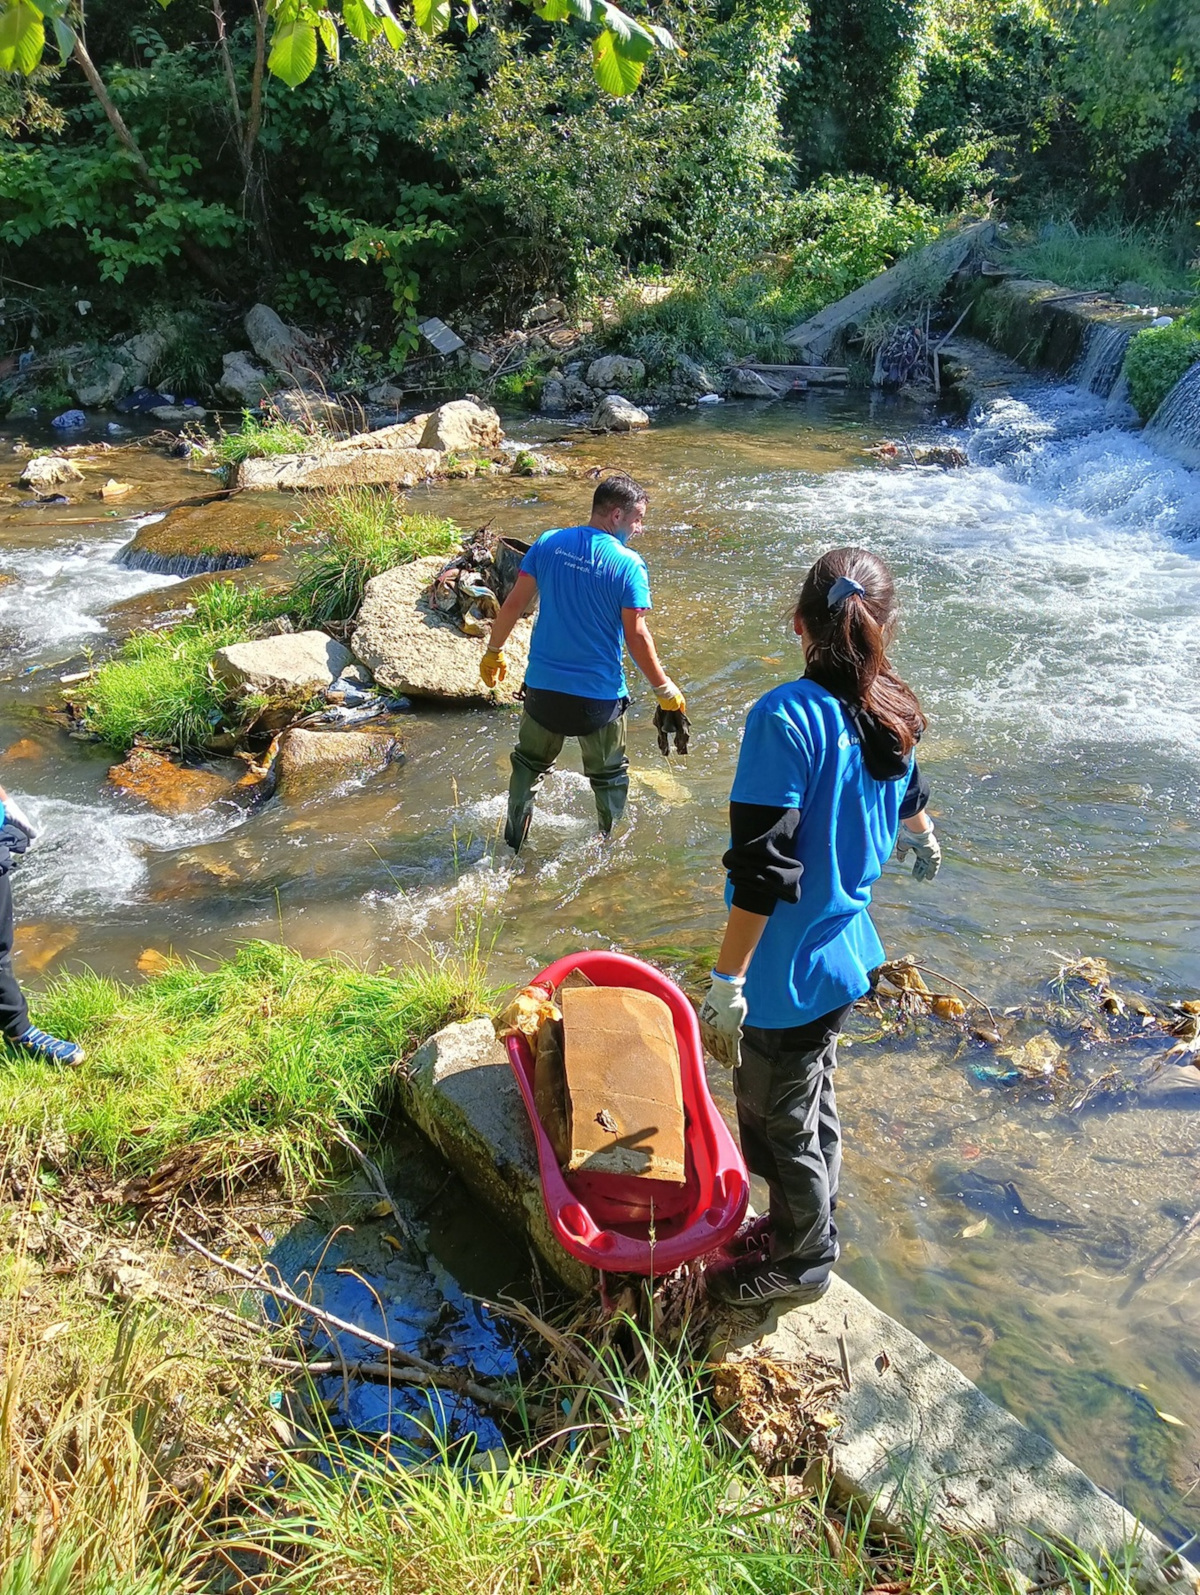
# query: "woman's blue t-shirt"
[[585, 578], [800, 751]]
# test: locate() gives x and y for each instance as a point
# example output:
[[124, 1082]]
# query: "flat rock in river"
[[293, 667], [311, 762], [168, 788], [413, 649], [214, 534], [343, 466]]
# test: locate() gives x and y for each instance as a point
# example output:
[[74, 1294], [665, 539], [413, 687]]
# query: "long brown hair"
[[845, 644]]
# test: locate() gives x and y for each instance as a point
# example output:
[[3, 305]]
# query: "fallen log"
[[918, 271]]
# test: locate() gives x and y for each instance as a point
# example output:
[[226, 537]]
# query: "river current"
[[1050, 594]]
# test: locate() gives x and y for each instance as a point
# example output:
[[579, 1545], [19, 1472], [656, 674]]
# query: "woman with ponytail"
[[826, 788]]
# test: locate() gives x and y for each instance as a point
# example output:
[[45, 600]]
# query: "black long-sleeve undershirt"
[[761, 860]]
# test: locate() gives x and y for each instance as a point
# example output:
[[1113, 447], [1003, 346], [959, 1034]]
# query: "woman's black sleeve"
[[762, 858], [917, 796]]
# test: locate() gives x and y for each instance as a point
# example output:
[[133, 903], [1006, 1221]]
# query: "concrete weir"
[[917, 1437]]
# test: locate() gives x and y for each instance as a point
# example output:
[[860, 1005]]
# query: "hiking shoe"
[[49, 1048], [753, 1237], [754, 1280]]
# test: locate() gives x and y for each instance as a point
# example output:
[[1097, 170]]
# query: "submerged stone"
[[214, 534], [167, 787], [310, 763]]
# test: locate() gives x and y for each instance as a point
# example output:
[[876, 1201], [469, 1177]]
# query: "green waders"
[[604, 764]]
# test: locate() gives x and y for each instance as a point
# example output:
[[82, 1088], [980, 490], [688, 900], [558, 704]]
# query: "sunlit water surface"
[[1051, 595]]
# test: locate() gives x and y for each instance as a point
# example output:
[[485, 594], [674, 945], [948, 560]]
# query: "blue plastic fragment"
[[69, 420]]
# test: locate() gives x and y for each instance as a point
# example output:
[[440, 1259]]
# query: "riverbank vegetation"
[[790, 152], [162, 1436], [160, 688]]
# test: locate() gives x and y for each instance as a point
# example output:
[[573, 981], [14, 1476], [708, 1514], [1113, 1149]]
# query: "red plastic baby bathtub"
[[623, 1224]]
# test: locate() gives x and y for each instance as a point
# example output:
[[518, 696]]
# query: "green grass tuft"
[[1157, 358], [360, 533], [160, 687], [260, 440], [256, 1055]]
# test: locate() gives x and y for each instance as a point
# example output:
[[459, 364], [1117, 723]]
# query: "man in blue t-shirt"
[[594, 593]]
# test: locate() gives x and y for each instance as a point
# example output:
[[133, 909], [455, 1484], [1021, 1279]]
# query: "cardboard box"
[[624, 1098]]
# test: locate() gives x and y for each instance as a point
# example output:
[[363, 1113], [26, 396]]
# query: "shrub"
[[1157, 358], [159, 688], [361, 532]]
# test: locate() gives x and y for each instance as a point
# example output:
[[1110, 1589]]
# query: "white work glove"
[[924, 844], [14, 812], [722, 1015]]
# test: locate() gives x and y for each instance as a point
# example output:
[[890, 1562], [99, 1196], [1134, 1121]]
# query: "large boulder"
[[690, 374], [99, 382], [309, 763], [167, 787], [139, 355], [243, 380], [613, 372], [564, 395], [285, 349], [743, 384], [616, 414], [462, 427], [341, 467], [411, 648], [294, 668], [46, 471]]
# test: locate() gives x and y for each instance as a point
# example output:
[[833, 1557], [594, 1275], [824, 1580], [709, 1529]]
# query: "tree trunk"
[[199, 256]]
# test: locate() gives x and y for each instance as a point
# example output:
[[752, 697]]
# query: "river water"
[[1050, 593]]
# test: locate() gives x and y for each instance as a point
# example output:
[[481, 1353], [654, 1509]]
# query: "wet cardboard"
[[624, 1096]]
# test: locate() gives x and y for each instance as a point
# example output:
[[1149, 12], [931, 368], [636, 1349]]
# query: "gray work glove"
[[722, 1015], [924, 844], [14, 812]]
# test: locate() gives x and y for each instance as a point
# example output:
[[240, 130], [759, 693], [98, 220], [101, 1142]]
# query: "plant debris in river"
[[1084, 1045]]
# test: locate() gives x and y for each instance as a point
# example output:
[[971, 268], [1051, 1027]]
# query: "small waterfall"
[[1175, 425], [134, 558], [1099, 367]]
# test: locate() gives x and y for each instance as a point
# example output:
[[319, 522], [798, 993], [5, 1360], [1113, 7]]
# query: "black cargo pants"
[[14, 1016], [792, 1138]]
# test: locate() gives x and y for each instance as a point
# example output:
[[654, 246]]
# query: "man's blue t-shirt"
[[800, 751], [585, 578]]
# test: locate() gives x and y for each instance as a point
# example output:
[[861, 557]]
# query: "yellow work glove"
[[492, 668], [669, 696]]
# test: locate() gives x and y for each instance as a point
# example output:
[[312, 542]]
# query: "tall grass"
[[655, 1500], [160, 687], [360, 532], [249, 1060], [1105, 257], [260, 440]]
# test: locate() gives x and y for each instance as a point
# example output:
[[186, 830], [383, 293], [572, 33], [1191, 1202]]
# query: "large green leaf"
[[431, 16], [616, 73], [22, 37], [630, 39], [359, 20], [293, 54], [392, 31], [328, 30]]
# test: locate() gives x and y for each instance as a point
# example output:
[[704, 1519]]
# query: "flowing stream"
[[1050, 592]]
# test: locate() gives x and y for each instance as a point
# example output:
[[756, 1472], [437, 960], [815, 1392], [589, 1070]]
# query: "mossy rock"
[[222, 533]]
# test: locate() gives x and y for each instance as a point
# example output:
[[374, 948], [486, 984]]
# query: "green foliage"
[[523, 386], [160, 688], [255, 1057], [360, 533], [825, 243], [191, 359], [1104, 257], [1157, 358], [264, 440]]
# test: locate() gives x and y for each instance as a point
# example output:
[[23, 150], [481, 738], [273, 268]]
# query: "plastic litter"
[[140, 400], [69, 420], [710, 398]]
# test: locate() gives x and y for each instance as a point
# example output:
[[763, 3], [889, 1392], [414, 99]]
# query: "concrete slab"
[[918, 1437], [459, 1090]]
